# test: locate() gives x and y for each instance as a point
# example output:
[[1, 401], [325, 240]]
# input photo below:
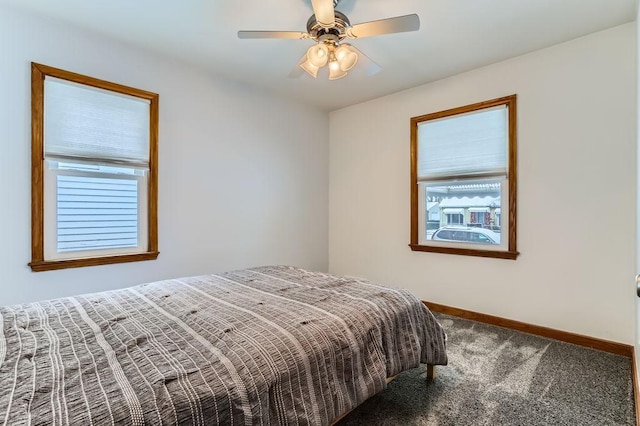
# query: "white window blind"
[[466, 144], [96, 213], [83, 122]]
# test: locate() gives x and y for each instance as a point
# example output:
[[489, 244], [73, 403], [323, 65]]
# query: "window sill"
[[511, 255], [50, 265]]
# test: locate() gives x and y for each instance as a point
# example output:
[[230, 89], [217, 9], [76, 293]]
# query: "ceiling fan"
[[328, 28]]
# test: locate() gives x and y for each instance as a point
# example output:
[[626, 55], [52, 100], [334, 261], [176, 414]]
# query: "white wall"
[[576, 190], [636, 318], [241, 181]]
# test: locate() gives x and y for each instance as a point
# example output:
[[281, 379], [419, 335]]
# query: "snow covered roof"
[[432, 205], [458, 202]]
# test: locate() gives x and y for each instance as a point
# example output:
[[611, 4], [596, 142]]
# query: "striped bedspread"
[[269, 345]]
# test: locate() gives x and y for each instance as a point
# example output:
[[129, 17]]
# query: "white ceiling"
[[455, 36]]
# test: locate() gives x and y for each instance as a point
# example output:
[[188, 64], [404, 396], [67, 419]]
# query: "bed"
[[268, 345]]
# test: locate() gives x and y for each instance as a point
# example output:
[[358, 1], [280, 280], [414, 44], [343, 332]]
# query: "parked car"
[[466, 235]]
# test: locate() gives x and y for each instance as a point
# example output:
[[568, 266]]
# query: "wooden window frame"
[[38, 262], [511, 252]]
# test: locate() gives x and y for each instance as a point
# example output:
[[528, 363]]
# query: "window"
[[479, 217], [94, 171], [455, 218], [463, 162]]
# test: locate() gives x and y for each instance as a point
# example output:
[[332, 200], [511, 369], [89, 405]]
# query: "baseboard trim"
[[563, 336], [636, 386]]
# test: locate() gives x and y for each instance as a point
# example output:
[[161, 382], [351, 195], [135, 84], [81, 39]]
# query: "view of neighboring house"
[[475, 205]]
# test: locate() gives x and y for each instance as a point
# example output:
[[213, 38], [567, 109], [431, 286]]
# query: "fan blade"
[[399, 24], [297, 71], [272, 34], [369, 66], [325, 14]]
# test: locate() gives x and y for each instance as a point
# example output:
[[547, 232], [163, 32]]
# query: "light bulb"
[[335, 72], [318, 54], [346, 57], [341, 52]]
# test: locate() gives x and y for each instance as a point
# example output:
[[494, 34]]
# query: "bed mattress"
[[268, 345]]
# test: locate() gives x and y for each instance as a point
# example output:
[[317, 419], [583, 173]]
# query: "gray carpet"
[[498, 376]]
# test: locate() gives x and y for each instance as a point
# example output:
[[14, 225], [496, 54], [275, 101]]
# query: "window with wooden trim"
[[463, 175], [94, 171]]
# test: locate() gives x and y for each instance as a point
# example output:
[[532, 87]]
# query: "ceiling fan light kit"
[[328, 28], [340, 58]]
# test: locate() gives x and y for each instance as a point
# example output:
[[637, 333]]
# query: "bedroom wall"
[[576, 190], [637, 271], [240, 183]]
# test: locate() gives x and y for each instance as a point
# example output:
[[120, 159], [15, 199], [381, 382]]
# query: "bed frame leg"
[[431, 372]]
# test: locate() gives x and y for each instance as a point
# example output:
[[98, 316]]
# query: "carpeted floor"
[[498, 376]]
